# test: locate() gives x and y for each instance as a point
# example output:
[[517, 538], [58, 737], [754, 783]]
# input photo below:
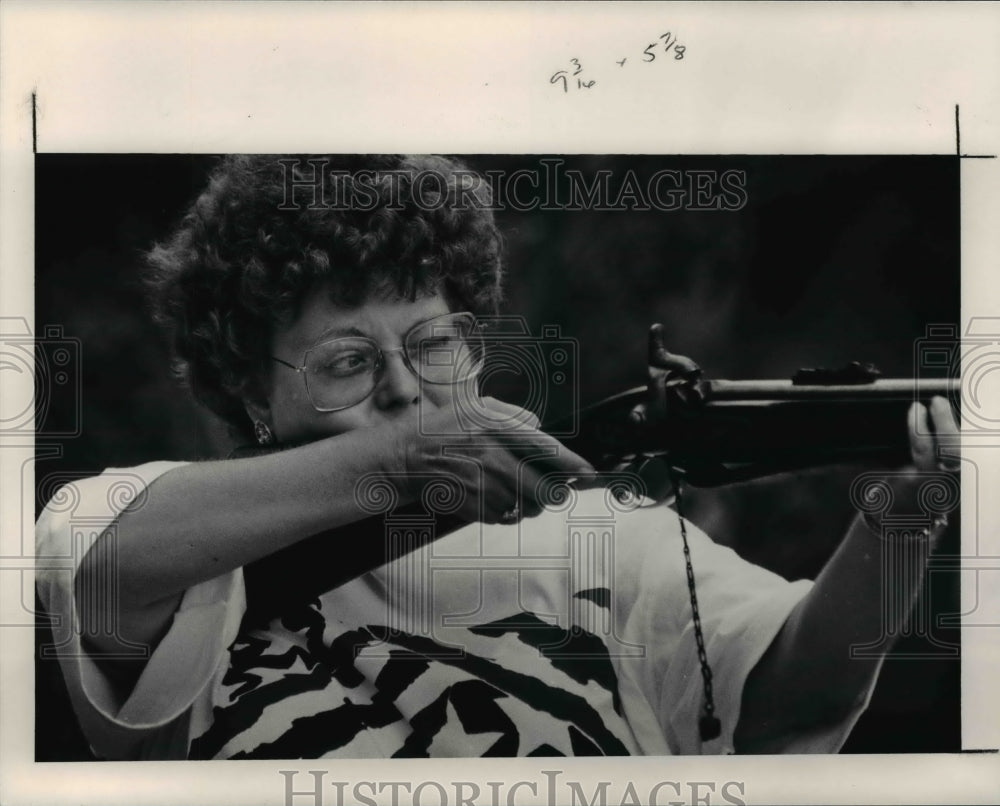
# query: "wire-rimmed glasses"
[[344, 371]]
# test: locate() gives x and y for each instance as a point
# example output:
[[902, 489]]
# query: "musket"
[[706, 432], [715, 432]]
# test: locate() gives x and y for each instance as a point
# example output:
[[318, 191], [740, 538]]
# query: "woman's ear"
[[256, 404], [257, 410]]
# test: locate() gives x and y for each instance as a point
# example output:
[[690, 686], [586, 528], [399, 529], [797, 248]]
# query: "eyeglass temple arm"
[[285, 363]]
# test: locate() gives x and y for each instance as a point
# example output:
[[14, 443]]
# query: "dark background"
[[832, 259]]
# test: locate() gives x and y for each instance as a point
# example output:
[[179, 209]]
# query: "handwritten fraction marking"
[[566, 77]]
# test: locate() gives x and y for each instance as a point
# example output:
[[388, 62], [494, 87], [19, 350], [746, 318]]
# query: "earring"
[[263, 433]]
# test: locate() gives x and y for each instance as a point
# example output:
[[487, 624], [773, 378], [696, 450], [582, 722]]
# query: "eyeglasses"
[[342, 372]]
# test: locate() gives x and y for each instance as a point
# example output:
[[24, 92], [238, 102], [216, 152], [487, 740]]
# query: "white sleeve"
[[154, 717], [742, 608]]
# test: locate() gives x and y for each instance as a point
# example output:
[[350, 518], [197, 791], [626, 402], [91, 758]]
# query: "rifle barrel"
[[883, 388], [730, 430]]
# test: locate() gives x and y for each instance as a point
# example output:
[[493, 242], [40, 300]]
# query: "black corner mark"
[[958, 135], [958, 143]]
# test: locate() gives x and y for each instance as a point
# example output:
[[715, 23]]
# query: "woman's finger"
[[511, 482], [945, 422], [921, 438], [557, 457], [503, 415], [946, 435], [488, 494], [529, 490], [498, 503]]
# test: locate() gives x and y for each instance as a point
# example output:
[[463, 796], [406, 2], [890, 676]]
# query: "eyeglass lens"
[[343, 372]]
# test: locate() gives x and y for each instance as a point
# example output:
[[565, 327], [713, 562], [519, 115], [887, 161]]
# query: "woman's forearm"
[[808, 676], [204, 519]]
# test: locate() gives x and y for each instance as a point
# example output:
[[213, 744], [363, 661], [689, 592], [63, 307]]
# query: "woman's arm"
[[204, 519], [201, 520], [807, 677]]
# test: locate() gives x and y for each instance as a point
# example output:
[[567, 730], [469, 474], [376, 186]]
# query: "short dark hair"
[[247, 253]]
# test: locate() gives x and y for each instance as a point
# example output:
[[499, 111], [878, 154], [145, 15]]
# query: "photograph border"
[[265, 77]]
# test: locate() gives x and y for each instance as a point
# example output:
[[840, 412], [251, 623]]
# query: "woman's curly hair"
[[270, 230]]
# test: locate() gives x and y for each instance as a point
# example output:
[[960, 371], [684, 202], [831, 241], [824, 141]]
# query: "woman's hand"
[[495, 452], [932, 428], [934, 442]]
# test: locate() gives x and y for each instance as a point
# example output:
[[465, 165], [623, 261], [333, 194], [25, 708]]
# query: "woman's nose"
[[398, 386]]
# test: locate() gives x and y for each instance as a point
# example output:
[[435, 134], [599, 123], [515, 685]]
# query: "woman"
[[329, 307]]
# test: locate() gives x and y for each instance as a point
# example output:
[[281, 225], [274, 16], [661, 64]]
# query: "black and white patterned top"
[[567, 634]]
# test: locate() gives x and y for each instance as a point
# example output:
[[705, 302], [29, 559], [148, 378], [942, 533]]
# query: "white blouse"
[[569, 633]]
